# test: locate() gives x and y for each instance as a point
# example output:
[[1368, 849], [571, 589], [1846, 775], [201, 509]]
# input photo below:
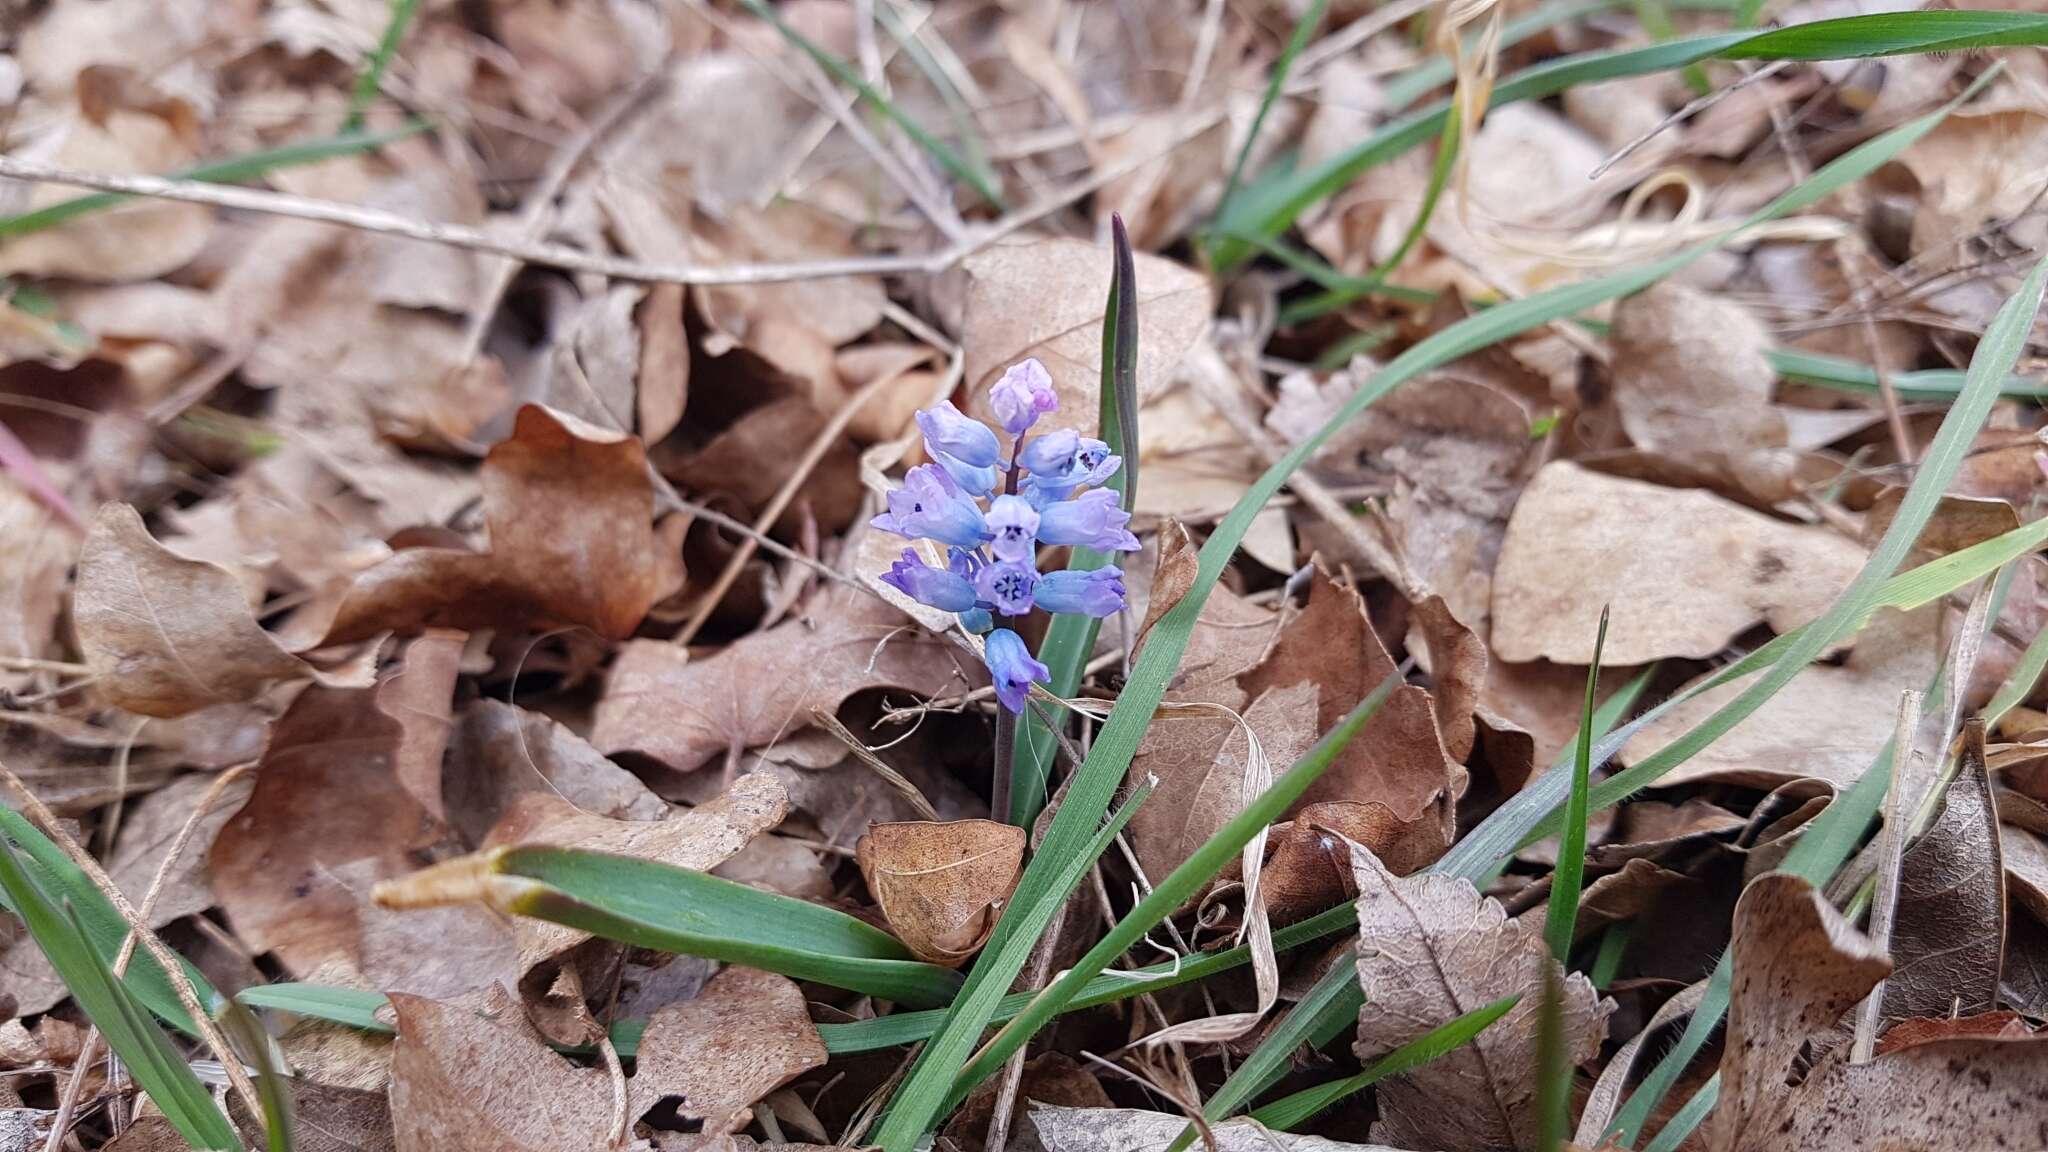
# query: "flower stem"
[[1006, 740]]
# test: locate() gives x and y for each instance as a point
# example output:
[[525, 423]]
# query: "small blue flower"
[[1093, 520], [940, 588], [930, 505], [977, 620], [1098, 592], [1015, 524], [1051, 454], [951, 432], [1090, 463], [1022, 394], [971, 480], [1011, 667], [1006, 586]]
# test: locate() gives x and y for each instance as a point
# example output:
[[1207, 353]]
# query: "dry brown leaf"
[[1619, 896], [745, 1035], [1398, 758], [1958, 522], [33, 568], [941, 886], [1691, 382], [1948, 932], [1309, 870], [420, 697], [165, 635], [499, 753], [573, 541], [1134, 1130], [664, 379], [1827, 724], [2026, 868], [1053, 1078], [1044, 298], [750, 461], [1430, 950], [1798, 967], [662, 702], [1684, 571], [329, 794], [147, 830], [794, 326]]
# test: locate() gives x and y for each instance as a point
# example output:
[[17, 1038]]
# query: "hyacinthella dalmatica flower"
[[1050, 496]]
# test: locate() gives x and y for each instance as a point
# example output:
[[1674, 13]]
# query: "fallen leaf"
[[1044, 299], [1309, 870], [34, 568], [941, 886], [1948, 932], [748, 463], [147, 831], [1924, 1030], [573, 541], [1827, 724], [1691, 382], [1050, 1078], [1134, 1130], [1798, 967], [420, 696], [460, 1081], [1958, 521], [1430, 950], [165, 635], [662, 702], [1685, 572], [499, 753]]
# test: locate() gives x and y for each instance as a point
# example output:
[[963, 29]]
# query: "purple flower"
[[951, 432], [1015, 524], [1011, 667], [1057, 473], [931, 505], [973, 481], [1098, 592], [938, 587], [1022, 394], [1051, 454], [977, 620], [1094, 520], [1006, 586]]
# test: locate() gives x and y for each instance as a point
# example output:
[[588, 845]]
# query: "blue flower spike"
[[1053, 498]]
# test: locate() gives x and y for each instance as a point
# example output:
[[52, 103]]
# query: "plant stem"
[[1006, 742]]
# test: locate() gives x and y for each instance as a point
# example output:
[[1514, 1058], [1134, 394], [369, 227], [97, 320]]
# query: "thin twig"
[[1892, 847], [575, 259], [1692, 108], [74, 1086], [820, 444], [866, 755]]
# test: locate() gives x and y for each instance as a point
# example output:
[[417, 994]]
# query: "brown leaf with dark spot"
[[1430, 949], [165, 635], [573, 542], [1309, 870], [1948, 933], [661, 701], [1799, 966], [941, 886]]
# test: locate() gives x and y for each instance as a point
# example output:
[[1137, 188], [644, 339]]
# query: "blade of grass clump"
[[1277, 204], [981, 181], [235, 169], [54, 872], [1172, 893], [1304, 30], [122, 1020], [1335, 999], [1070, 638], [355, 1007], [1607, 961], [1553, 1065], [273, 1088], [370, 80], [1290, 1112], [1090, 788], [654, 905], [1562, 919]]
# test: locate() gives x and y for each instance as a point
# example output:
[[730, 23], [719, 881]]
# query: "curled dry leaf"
[[1684, 571], [941, 886], [1310, 866], [1798, 967], [1691, 383], [1044, 298], [573, 542], [165, 635], [461, 1082], [1827, 724], [662, 702], [1948, 933], [499, 753], [1431, 949]]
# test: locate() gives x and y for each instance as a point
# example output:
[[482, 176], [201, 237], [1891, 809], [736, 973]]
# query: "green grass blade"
[[1613, 946], [233, 170], [655, 905], [1070, 638], [122, 1020], [1688, 1117], [273, 1087], [1176, 890], [354, 1007], [1304, 30], [54, 873], [1276, 205], [978, 178], [1562, 918], [1289, 1112], [1553, 1066], [918, 1100], [370, 80]]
